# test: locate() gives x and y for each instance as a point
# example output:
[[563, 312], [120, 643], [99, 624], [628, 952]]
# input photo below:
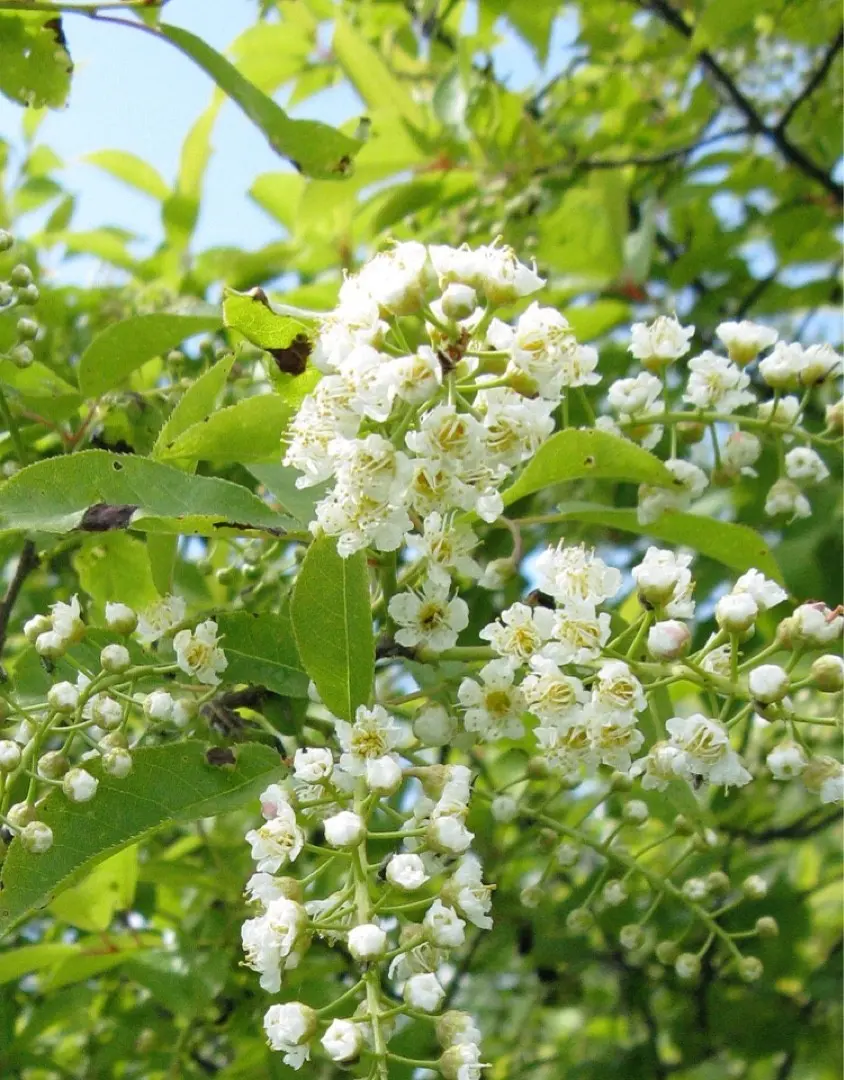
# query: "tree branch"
[[26, 564], [663, 158], [813, 82], [722, 78]]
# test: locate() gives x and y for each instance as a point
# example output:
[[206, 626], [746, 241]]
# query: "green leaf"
[[279, 195], [721, 19], [122, 348], [737, 546], [579, 455], [251, 315], [114, 565], [35, 66], [131, 170], [15, 963], [54, 495], [183, 983], [41, 390], [167, 784], [314, 148], [280, 481], [261, 650], [109, 888], [333, 626], [251, 430], [198, 401]]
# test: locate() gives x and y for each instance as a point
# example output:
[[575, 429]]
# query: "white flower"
[[745, 340], [447, 435], [824, 776], [658, 343], [120, 618], [430, 618], [504, 808], [467, 892], [781, 369], [406, 872], [765, 592], [443, 926], [616, 689], [669, 640], [654, 501], [718, 384], [785, 411], [433, 725], [67, 620], [447, 544], [740, 453], [462, 1061], [383, 775], [263, 889], [270, 941], [519, 632], [199, 653], [158, 705], [819, 362], [816, 624], [424, 992], [579, 634], [495, 705], [785, 497], [615, 738], [396, 279], [567, 750], [115, 659], [553, 697], [786, 761], [768, 683], [367, 942], [373, 735], [662, 764], [736, 612], [462, 265], [576, 574], [79, 786], [63, 697], [706, 751], [36, 837], [10, 755], [343, 1040], [455, 793], [448, 836], [288, 1028], [344, 830], [414, 378], [514, 426], [635, 399], [278, 841], [160, 618], [537, 346], [664, 580], [501, 277], [313, 764], [805, 464]]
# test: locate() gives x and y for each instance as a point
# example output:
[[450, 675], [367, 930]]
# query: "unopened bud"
[[36, 837], [687, 966], [580, 920], [767, 926], [750, 969], [27, 329], [755, 887], [631, 936], [828, 673], [21, 276], [10, 755], [667, 952], [117, 763], [52, 765]]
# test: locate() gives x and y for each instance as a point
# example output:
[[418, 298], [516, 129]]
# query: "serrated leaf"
[[35, 66], [736, 546], [79, 491], [280, 481], [314, 148], [261, 650], [167, 784], [198, 401], [251, 315], [251, 430], [370, 76], [109, 888], [579, 455], [124, 347], [131, 170], [332, 624], [115, 566]]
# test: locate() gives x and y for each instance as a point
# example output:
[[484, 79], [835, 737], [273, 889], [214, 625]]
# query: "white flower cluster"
[[332, 800]]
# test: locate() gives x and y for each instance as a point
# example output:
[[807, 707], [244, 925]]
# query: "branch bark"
[[27, 562]]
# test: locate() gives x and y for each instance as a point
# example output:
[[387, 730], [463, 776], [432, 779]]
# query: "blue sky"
[[133, 93]]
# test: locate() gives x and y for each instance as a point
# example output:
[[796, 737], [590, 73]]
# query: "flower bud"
[[504, 808], [20, 814], [27, 329], [580, 920], [63, 697], [669, 640], [434, 726], [367, 942], [115, 659], [750, 969], [342, 1041], [28, 295], [687, 966], [635, 812], [546, 839], [828, 673], [424, 992], [531, 896], [52, 765], [10, 755], [36, 837], [614, 893], [7, 294], [158, 705], [6, 241], [767, 926], [696, 889], [120, 618], [448, 836], [458, 301], [631, 936], [755, 887], [682, 825], [290, 1024], [718, 882], [21, 276], [768, 683], [344, 830], [460, 1062], [406, 872], [79, 786], [383, 775], [456, 1027], [620, 781], [117, 763], [36, 626], [736, 612], [667, 952], [50, 645], [835, 416], [567, 855]]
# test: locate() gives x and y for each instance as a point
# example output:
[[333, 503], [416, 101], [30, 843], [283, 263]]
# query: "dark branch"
[[814, 81], [663, 158], [797, 830], [722, 78], [26, 564]]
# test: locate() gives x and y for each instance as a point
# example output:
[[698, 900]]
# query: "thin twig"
[[27, 562], [813, 82]]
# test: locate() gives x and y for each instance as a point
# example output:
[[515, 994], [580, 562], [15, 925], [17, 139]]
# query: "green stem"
[[9, 420]]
